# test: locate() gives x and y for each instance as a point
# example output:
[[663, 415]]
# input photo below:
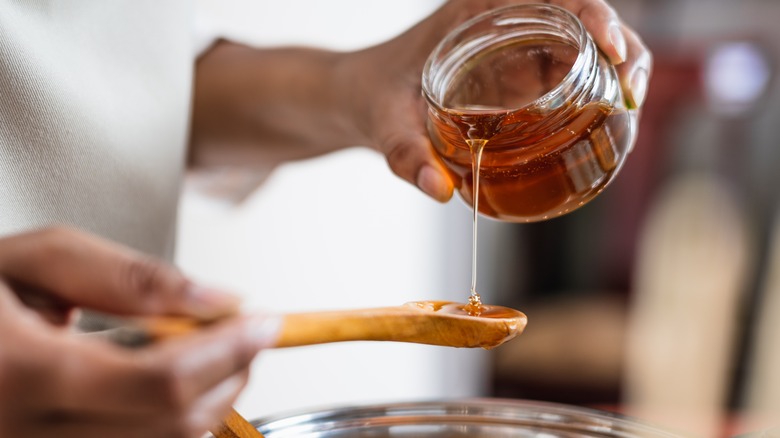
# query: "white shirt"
[[94, 111]]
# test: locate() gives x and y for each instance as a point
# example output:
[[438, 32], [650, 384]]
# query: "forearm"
[[260, 107]]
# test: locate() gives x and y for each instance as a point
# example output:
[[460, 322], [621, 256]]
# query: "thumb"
[[87, 271]]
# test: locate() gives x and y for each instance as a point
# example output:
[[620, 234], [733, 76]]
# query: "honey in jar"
[[523, 92]]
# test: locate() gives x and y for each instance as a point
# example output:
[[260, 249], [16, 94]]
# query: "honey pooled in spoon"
[[452, 308], [451, 324]]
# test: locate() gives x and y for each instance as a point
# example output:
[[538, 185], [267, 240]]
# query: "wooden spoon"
[[422, 322]]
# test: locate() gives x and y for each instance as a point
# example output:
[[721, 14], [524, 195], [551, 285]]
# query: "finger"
[[52, 309], [206, 415], [619, 42], [81, 427], [95, 273], [9, 302], [409, 152], [603, 24], [635, 72], [72, 425], [410, 157], [205, 360], [29, 308], [168, 377]]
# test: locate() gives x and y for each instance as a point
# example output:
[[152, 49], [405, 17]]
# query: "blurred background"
[[660, 299]]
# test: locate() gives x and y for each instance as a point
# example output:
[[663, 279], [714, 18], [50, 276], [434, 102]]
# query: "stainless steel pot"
[[465, 418]]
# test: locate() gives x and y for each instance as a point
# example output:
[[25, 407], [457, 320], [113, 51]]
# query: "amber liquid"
[[474, 306], [532, 169], [487, 311]]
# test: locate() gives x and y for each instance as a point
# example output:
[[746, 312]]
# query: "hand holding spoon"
[[423, 322]]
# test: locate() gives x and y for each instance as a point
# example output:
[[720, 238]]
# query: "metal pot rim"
[[461, 414]]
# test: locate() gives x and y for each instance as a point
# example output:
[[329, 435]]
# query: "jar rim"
[[582, 41]]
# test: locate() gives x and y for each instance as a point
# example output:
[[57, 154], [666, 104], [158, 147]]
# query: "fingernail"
[[210, 303], [638, 86], [433, 183], [618, 41], [263, 330]]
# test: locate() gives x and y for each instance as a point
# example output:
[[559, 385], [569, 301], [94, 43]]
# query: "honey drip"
[[476, 146]]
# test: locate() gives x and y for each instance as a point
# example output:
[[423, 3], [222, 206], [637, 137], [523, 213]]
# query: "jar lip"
[[552, 94]]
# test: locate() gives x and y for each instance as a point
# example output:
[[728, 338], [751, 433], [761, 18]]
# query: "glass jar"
[[526, 85], [467, 418]]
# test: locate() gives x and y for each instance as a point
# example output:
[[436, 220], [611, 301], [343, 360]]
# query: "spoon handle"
[[376, 324], [236, 426]]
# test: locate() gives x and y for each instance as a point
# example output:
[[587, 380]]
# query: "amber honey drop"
[[474, 307]]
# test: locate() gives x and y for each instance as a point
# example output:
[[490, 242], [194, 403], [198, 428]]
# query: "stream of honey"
[[474, 306]]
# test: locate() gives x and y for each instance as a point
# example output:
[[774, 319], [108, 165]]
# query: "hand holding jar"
[[394, 116], [526, 114]]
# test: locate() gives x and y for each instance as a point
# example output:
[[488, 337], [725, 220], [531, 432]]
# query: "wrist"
[[351, 85]]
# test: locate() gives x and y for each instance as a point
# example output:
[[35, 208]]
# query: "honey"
[[474, 307], [486, 311], [476, 146], [529, 169]]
